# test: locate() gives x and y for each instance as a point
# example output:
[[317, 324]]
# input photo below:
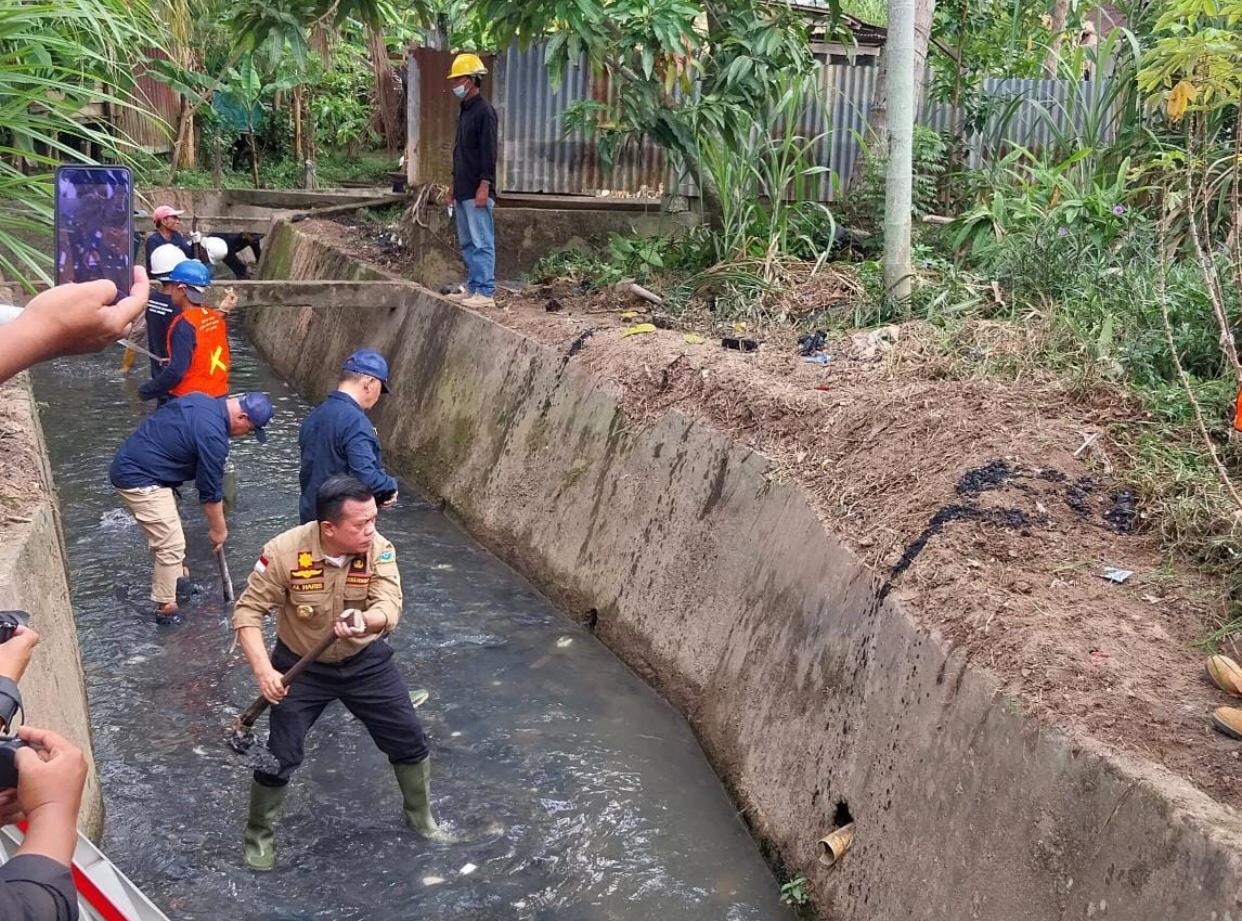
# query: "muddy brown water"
[[578, 793]]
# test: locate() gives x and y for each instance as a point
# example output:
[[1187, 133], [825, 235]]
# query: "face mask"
[[459, 92]]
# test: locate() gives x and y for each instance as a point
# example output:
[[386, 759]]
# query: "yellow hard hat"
[[467, 65]]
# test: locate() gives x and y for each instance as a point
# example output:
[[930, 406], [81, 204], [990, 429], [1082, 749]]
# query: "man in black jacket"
[[474, 181]]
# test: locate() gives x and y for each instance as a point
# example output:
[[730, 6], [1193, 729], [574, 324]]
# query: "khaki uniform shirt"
[[308, 593]]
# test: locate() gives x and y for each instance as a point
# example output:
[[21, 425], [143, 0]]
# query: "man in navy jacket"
[[337, 437], [186, 439]]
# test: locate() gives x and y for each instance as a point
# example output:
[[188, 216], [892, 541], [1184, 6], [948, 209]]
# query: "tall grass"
[[56, 59]]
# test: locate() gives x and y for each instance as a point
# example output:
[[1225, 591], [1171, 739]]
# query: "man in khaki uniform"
[[334, 575]]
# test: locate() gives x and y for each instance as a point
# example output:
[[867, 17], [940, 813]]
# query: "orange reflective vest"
[[209, 365]]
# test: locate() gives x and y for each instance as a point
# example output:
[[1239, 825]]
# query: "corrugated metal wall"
[[153, 135], [537, 156]]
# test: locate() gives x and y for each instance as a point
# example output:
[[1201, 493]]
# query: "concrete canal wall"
[[723, 589], [34, 578]]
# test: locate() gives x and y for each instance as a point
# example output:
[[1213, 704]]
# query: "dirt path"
[[969, 489]]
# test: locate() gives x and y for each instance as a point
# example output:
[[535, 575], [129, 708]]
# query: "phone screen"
[[94, 225]]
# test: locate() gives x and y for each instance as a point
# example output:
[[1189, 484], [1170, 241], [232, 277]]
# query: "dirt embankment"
[[966, 491]]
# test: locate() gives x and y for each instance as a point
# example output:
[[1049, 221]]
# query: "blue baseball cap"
[[258, 409], [370, 363]]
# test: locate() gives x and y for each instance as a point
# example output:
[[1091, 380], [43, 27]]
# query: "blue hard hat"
[[370, 363], [258, 409], [194, 275]]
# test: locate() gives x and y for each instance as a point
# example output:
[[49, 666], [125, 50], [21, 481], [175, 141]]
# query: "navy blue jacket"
[[187, 439], [337, 437], [184, 341], [37, 888], [160, 313], [156, 240]]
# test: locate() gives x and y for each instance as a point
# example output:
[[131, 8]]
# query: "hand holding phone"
[[70, 320], [95, 225]]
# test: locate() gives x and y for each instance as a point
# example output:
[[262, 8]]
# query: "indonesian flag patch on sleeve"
[[261, 564]]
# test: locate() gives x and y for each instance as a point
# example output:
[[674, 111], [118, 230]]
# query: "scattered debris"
[[1011, 518], [576, 346], [1077, 493], [1088, 441], [553, 305], [564, 641], [740, 345], [809, 345], [693, 339], [638, 329], [1123, 515], [1116, 575], [629, 286], [867, 346], [821, 358], [467, 869], [981, 479]]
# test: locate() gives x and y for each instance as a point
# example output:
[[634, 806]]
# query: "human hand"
[[51, 773], [228, 303], [391, 500], [218, 536], [350, 624], [10, 812], [481, 196], [196, 237], [15, 654], [271, 686], [74, 319]]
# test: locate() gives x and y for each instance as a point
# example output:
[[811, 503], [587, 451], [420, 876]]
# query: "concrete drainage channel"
[[821, 704]]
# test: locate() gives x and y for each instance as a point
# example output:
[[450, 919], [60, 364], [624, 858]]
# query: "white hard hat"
[[165, 258], [216, 248]]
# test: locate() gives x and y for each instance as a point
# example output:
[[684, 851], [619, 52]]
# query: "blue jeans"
[[477, 236]]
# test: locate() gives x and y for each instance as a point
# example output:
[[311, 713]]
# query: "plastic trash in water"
[[467, 869], [432, 880], [564, 641]]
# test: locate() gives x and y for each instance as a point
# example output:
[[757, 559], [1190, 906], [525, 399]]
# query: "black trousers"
[[370, 687]]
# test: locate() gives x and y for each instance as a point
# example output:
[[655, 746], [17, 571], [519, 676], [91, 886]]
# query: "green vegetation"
[[59, 64], [795, 892], [1110, 259]]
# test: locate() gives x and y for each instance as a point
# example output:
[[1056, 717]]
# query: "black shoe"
[[187, 589], [169, 620]]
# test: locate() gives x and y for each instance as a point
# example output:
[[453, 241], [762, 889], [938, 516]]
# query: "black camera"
[[10, 621], [8, 761]]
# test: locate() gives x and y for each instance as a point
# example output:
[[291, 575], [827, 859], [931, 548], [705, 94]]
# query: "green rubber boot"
[[265, 805], [413, 779]]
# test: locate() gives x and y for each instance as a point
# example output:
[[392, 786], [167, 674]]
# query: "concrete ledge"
[[525, 234], [34, 577], [722, 588]]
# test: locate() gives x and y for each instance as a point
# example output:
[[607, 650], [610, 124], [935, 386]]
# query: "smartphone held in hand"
[[95, 225]]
